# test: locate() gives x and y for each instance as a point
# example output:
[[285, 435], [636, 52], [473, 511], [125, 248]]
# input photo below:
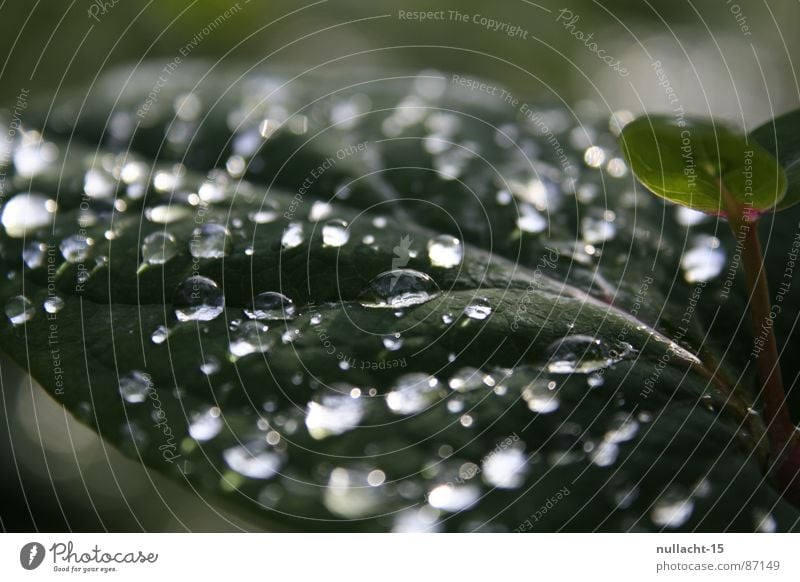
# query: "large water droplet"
[[335, 233], [445, 251], [412, 393], [26, 212], [210, 241], [271, 306], [399, 288], [158, 248], [198, 299], [583, 354], [334, 414], [19, 309], [256, 460], [134, 387]]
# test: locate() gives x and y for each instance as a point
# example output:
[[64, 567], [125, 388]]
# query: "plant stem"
[[776, 414]]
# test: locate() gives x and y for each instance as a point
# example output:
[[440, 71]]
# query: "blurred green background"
[[722, 58]]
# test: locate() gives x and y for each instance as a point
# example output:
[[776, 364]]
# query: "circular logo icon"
[[31, 555]]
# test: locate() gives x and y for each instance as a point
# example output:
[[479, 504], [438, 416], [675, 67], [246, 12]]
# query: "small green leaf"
[[695, 163], [781, 137]]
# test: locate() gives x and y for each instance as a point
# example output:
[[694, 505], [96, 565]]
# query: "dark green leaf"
[[607, 403]]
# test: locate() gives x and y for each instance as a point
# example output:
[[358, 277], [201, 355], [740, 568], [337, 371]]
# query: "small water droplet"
[[541, 396], [198, 299], [319, 211], [334, 414], [53, 304], [160, 335], [468, 379], [19, 309], [205, 425], [413, 393], [316, 319], [445, 251], [392, 342], [349, 494], [134, 387], [271, 306], [250, 338], [76, 248], [453, 498], [478, 308], [158, 248], [210, 241], [335, 233], [292, 236], [597, 230], [530, 220], [672, 509], [704, 261], [399, 288], [583, 354], [447, 318], [256, 460]]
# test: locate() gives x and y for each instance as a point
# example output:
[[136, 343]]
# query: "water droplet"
[[392, 342], [271, 306], [319, 211], [250, 338], [453, 498], [399, 288], [672, 509], [334, 414], [445, 251], [316, 319], [412, 393], [605, 454], [478, 308], [292, 236], [416, 520], [704, 260], [210, 241], [205, 425], [764, 521], [530, 220], [594, 157], [505, 468], [160, 335], [53, 304], [597, 230], [198, 299], [447, 318], [335, 233], [19, 309], [541, 396], [350, 495], [622, 428], [134, 387], [76, 248], [26, 212], [33, 254], [688, 217], [468, 379], [256, 460], [158, 248], [583, 354]]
